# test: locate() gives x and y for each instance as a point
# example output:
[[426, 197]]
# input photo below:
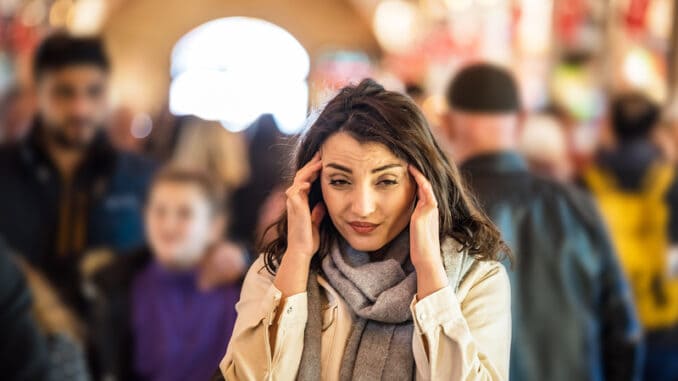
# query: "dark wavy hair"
[[369, 113]]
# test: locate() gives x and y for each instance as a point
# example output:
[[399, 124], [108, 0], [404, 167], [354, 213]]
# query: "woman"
[[383, 269]]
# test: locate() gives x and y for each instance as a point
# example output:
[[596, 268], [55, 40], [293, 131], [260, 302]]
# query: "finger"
[[303, 187], [318, 213], [296, 188], [416, 175], [309, 172], [314, 160], [424, 188], [418, 179], [430, 195], [316, 173]]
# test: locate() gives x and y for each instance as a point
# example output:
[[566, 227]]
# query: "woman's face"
[[367, 190]]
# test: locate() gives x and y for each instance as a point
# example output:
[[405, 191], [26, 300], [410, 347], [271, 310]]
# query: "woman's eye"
[[387, 182], [338, 182]]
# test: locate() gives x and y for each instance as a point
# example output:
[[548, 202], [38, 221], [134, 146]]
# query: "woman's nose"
[[363, 203]]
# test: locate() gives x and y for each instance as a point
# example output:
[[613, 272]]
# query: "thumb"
[[318, 214]]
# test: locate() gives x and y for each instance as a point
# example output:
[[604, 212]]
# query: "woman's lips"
[[363, 227]]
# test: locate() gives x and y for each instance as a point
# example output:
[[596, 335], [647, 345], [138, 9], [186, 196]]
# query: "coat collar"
[[99, 159], [503, 162]]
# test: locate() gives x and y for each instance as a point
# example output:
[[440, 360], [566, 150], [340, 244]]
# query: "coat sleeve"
[[470, 340], [622, 343], [249, 355]]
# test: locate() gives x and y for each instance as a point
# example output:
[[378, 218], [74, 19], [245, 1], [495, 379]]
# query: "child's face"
[[179, 224]]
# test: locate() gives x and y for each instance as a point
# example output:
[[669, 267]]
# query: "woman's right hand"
[[303, 237]]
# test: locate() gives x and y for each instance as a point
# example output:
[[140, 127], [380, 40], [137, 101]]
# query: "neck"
[[65, 159], [487, 134], [483, 150]]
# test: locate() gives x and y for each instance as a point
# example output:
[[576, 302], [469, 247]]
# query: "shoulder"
[[129, 163], [111, 272], [582, 205], [481, 271], [132, 172], [573, 195], [10, 156], [258, 277], [485, 278], [563, 203]]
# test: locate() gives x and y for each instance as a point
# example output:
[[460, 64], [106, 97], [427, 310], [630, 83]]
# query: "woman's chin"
[[365, 243]]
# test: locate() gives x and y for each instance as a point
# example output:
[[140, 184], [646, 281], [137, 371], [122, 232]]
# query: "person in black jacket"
[[65, 189], [23, 348], [573, 317]]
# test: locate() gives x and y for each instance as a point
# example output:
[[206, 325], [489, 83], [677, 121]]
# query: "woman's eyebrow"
[[385, 167], [339, 167], [375, 170]]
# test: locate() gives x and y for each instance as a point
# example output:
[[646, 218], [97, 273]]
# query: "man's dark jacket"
[[52, 222], [573, 317]]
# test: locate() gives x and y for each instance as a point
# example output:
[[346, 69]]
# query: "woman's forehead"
[[342, 147]]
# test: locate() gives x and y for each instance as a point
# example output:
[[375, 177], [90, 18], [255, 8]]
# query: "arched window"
[[235, 69]]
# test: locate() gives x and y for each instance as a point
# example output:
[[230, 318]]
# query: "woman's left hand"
[[424, 238]]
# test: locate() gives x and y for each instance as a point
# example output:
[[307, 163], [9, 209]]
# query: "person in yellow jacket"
[[637, 192]]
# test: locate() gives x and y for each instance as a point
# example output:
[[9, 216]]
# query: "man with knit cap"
[[573, 317]]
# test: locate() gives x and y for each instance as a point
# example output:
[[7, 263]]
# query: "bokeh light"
[[235, 69]]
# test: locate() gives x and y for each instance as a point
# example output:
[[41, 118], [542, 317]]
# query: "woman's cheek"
[[397, 201], [333, 200]]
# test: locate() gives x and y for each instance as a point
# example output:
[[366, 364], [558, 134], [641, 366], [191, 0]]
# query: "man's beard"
[[61, 138]]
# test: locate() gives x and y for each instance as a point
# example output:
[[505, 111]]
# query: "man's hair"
[[213, 191], [633, 115], [484, 88], [61, 50]]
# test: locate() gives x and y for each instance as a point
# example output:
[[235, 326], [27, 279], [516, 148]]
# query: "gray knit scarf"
[[379, 293]]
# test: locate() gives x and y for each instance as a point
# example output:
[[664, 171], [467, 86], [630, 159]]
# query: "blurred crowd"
[[122, 259]]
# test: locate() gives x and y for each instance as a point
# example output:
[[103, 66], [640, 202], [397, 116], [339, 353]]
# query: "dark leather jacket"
[[573, 317]]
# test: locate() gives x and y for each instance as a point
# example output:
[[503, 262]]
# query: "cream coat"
[[458, 336]]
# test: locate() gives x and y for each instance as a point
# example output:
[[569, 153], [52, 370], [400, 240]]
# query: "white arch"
[[237, 68]]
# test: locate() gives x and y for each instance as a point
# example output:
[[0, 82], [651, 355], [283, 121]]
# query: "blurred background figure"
[[637, 190], [572, 315], [207, 146], [155, 318], [66, 189], [120, 130], [24, 348], [16, 112], [543, 143], [63, 330]]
